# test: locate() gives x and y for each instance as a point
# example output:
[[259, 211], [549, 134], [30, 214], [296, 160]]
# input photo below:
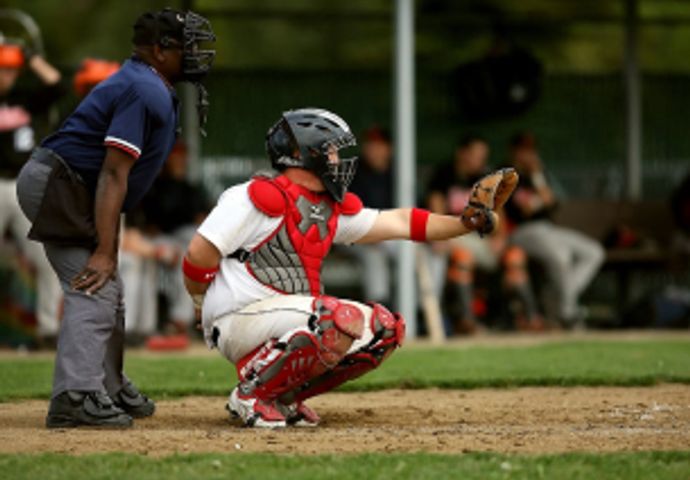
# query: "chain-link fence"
[[579, 121]]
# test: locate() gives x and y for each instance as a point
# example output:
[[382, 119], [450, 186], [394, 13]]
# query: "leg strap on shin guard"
[[303, 353]]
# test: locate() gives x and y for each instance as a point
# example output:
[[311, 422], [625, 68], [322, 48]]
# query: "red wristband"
[[418, 221], [198, 274]]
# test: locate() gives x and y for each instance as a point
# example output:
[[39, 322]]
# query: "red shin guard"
[[389, 333], [301, 354]]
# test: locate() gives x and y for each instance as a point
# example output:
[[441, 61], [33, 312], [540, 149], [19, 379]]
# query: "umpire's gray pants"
[[91, 338]]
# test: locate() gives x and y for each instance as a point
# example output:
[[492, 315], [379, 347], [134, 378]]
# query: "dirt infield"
[[525, 420]]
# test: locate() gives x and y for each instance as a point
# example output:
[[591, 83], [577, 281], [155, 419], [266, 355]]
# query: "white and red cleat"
[[255, 412], [298, 414]]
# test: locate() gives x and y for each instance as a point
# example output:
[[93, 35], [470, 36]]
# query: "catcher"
[[253, 269]]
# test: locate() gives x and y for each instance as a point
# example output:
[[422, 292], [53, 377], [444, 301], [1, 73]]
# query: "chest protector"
[[290, 259]]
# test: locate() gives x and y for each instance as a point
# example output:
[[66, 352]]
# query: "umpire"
[[73, 190]]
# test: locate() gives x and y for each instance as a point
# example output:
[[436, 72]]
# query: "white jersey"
[[236, 223]]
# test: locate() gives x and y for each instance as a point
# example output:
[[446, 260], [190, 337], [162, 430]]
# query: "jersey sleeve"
[[353, 227], [128, 123], [234, 222]]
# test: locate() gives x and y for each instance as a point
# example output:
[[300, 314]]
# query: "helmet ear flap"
[[281, 146]]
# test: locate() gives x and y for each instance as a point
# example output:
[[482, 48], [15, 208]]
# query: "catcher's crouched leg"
[[282, 365], [388, 330]]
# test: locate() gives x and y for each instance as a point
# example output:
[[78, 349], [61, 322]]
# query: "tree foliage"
[[583, 36]]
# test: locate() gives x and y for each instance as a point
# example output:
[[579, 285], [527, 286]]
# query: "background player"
[[463, 257], [570, 258], [257, 259], [23, 110]]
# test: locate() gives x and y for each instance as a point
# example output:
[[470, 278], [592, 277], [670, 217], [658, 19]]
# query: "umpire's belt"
[[46, 156], [65, 216]]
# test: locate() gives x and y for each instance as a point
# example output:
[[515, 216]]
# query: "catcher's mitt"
[[489, 194]]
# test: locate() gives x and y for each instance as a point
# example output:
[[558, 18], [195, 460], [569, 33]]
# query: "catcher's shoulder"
[[267, 196], [351, 204]]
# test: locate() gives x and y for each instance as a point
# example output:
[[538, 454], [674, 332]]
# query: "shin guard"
[[389, 333], [282, 365]]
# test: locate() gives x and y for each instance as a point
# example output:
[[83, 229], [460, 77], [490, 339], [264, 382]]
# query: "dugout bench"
[[637, 236]]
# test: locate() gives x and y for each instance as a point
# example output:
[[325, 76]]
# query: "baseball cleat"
[[133, 402], [298, 414], [90, 409], [255, 412]]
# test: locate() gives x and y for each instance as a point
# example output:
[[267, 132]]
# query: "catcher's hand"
[[489, 194]]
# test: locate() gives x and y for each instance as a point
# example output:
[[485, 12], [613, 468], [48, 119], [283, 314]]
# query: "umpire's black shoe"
[[133, 402], [95, 409]]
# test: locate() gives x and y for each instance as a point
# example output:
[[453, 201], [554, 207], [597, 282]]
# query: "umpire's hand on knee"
[[99, 269]]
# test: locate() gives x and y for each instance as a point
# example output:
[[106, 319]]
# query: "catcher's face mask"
[[338, 172]]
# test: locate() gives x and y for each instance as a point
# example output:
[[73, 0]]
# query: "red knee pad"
[[345, 317], [387, 326]]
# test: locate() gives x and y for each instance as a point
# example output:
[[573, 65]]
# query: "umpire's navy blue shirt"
[[134, 110]]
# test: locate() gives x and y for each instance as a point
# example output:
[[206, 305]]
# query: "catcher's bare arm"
[[200, 264], [395, 225], [488, 195]]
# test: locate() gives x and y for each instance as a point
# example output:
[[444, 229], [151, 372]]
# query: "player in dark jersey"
[[74, 188]]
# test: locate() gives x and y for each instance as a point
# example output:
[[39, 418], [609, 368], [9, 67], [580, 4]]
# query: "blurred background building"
[[581, 76]]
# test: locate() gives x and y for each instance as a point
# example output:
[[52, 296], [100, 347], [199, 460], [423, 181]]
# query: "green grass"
[[629, 466], [626, 363]]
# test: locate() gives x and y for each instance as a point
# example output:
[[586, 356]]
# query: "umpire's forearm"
[[110, 195]]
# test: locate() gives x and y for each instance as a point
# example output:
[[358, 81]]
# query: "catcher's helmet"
[[302, 138]]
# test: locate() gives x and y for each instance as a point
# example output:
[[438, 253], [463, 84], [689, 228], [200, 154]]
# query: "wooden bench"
[[651, 221]]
